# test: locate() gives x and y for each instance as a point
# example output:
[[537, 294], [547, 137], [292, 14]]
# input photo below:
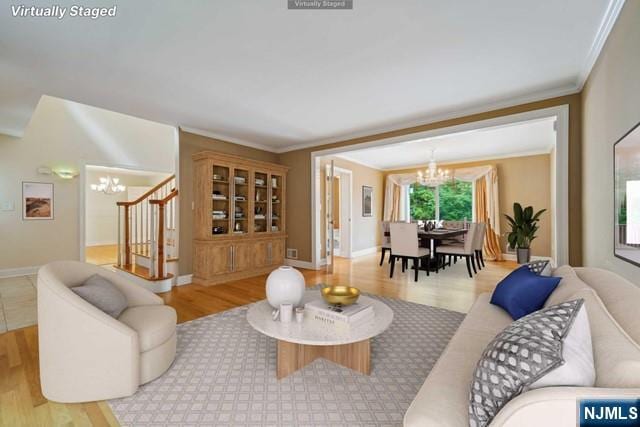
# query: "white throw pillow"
[[577, 352]]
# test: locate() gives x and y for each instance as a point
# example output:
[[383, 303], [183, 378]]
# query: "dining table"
[[431, 239]]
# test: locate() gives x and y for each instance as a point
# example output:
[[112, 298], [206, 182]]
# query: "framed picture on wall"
[[37, 200], [626, 179], [367, 200]]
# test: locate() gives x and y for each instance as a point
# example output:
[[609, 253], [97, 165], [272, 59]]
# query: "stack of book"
[[218, 214], [339, 316]]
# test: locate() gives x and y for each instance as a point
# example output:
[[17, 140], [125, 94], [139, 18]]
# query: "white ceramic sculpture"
[[285, 285]]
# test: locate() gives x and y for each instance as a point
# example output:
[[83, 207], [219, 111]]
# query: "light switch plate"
[[7, 206]]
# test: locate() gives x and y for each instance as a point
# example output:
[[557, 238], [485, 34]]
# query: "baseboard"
[[513, 257], [184, 280], [22, 271], [101, 243], [299, 264], [363, 252]]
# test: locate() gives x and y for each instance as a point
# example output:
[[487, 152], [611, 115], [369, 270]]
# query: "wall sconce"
[[65, 174]]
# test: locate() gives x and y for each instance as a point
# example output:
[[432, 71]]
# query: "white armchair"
[[87, 355]]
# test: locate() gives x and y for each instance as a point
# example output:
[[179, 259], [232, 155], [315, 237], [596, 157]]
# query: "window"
[[456, 201], [422, 202], [452, 201]]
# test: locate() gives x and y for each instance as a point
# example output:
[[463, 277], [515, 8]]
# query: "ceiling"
[[518, 139], [256, 73], [121, 171]]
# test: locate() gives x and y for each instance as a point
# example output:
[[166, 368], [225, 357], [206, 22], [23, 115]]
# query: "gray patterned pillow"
[[525, 351], [541, 267]]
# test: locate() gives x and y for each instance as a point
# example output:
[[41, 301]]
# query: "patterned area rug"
[[225, 375]]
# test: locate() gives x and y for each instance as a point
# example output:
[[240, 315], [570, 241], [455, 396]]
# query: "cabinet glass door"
[[240, 218], [260, 203], [276, 203], [220, 200]]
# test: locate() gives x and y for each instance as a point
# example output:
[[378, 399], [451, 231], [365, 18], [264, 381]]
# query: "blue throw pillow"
[[522, 292]]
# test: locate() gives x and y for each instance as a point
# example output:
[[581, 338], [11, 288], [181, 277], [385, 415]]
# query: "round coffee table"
[[301, 343]]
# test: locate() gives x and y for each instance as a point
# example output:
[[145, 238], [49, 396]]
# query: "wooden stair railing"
[[160, 247], [142, 228]]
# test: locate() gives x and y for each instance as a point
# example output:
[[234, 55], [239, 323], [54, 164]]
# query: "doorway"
[[103, 188], [341, 206], [338, 211], [559, 180]]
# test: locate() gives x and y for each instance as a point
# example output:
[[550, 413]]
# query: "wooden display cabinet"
[[239, 217]]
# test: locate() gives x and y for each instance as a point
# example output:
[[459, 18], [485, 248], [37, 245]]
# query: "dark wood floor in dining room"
[[22, 403]]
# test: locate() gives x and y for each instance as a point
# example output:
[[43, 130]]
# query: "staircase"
[[147, 244]]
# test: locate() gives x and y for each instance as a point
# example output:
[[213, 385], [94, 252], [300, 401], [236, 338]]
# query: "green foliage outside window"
[[455, 201], [422, 202]]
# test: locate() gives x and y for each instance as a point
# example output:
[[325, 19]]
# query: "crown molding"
[[567, 89], [471, 160], [12, 132], [606, 25], [226, 138]]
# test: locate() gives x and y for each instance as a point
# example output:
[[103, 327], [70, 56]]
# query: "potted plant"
[[524, 225]]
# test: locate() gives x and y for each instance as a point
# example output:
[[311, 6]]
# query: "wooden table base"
[[292, 356]]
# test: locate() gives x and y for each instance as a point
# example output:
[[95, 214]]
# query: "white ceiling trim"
[[226, 138], [608, 21], [533, 97], [455, 162], [483, 108], [16, 133]]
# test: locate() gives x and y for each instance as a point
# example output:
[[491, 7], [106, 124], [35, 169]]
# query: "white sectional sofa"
[[613, 306]]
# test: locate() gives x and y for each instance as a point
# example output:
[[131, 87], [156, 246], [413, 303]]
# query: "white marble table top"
[[311, 332]]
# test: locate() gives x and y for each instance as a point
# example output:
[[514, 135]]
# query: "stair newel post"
[[127, 236], [152, 242], [119, 238], [161, 257]]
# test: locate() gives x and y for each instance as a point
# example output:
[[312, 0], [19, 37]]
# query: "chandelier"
[[433, 177], [109, 185]]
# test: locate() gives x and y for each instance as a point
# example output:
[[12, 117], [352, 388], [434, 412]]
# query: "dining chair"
[[386, 240], [453, 225], [404, 245], [481, 231], [466, 251]]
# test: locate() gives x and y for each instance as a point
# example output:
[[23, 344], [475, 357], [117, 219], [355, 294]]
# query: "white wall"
[[66, 135], [610, 109]]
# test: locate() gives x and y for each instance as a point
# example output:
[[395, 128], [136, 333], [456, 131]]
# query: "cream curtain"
[[488, 211]]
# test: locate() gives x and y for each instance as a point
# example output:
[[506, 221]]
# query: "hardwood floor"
[[101, 255], [22, 403]]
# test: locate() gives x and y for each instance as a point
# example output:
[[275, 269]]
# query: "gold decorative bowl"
[[340, 295]]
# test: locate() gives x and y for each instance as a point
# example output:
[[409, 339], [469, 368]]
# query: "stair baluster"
[[145, 229]]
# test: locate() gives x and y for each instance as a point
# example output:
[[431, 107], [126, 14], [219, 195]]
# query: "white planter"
[[285, 285]]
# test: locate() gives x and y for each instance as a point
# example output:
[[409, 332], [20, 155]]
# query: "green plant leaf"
[[528, 213], [537, 215], [517, 212]]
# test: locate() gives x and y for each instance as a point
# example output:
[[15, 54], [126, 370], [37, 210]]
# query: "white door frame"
[[560, 204], [349, 182]]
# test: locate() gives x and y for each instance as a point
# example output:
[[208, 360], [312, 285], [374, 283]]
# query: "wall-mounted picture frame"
[[37, 200], [367, 200], [626, 190]]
